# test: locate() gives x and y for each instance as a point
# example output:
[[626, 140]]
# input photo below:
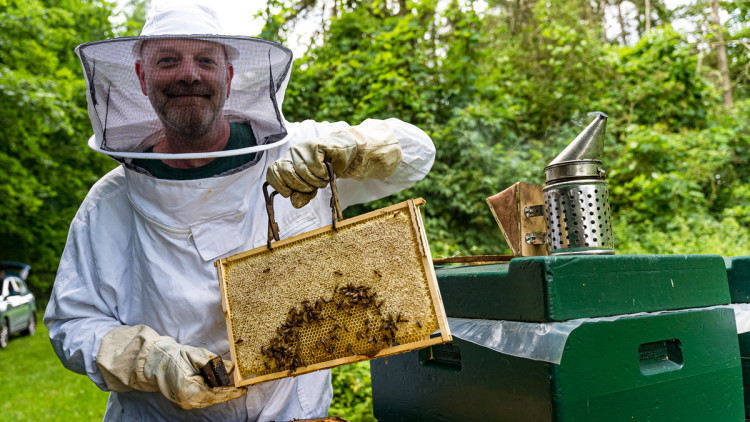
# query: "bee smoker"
[[576, 198], [570, 215]]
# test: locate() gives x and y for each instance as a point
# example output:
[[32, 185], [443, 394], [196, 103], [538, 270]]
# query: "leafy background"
[[501, 86]]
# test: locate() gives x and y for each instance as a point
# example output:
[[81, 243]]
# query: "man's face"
[[187, 82]]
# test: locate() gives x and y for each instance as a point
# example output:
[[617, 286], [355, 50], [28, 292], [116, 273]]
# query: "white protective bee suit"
[[141, 250]]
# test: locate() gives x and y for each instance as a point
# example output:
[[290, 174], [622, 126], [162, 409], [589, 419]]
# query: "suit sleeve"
[[77, 315]]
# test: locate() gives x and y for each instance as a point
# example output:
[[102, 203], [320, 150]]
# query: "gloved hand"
[[137, 358], [362, 152]]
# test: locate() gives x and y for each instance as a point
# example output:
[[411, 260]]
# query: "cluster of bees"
[[283, 351]]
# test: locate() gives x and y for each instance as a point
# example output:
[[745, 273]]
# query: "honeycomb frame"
[[369, 291]]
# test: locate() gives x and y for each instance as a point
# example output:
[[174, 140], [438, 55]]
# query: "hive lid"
[[561, 288]]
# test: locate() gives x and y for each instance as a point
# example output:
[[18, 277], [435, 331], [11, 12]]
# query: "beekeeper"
[[196, 123]]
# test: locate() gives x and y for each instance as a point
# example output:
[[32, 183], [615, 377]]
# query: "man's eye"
[[166, 61], [207, 61]]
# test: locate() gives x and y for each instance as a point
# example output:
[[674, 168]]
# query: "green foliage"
[[684, 191], [352, 393], [658, 83], [134, 14], [371, 66], [683, 235], [545, 65], [502, 93], [47, 168]]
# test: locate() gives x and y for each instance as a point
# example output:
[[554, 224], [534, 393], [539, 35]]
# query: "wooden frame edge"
[[320, 230], [429, 269], [227, 318]]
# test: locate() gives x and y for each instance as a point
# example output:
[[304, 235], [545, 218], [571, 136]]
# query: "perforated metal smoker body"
[[298, 288], [578, 217]]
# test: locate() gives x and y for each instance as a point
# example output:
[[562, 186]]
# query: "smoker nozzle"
[[582, 158]]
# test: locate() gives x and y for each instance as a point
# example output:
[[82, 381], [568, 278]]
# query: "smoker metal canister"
[[576, 198]]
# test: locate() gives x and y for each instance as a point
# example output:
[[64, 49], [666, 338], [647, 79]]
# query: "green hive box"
[[738, 277], [560, 288], [667, 367], [738, 274], [745, 356], [652, 367]]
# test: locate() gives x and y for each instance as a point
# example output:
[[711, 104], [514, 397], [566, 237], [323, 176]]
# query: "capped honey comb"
[[331, 297]]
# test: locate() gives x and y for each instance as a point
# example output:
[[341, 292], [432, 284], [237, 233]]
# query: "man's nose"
[[188, 72]]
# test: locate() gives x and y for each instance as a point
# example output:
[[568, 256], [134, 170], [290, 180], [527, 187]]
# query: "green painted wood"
[[586, 383], [512, 291], [489, 387], [738, 275], [560, 288], [744, 340], [746, 385], [600, 377]]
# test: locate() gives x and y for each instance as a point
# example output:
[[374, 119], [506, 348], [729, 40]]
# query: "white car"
[[17, 303]]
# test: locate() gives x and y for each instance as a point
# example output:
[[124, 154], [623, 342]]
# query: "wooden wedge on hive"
[[332, 297]]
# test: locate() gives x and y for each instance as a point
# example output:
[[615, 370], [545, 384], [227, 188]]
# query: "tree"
[[47, 168], [721, 53], [134, 13]]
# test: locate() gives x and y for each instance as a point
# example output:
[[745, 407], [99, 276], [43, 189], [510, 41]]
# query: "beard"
[[190, 110]]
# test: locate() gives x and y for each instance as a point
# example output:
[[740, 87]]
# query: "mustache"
[[180, 90]]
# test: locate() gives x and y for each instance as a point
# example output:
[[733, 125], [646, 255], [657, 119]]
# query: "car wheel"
[[4, 334], [31, 328]]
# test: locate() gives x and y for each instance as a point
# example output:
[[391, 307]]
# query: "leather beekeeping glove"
[[362, 152], [137, 358]]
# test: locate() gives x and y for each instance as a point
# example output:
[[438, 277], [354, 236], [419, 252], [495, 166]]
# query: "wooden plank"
[[473, 259], [504, 207]]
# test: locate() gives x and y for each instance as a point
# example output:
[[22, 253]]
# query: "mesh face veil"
[[189, 74]]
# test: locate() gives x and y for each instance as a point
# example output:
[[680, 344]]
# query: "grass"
[[36, 387]]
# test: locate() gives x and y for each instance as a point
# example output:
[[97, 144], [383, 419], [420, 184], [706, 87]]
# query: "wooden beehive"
[[331, 297]]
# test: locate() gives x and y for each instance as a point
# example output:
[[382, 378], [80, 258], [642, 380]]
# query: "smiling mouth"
[[188, 96], [177, 91]]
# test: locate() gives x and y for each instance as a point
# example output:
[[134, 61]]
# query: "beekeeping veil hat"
[[125, 124]]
